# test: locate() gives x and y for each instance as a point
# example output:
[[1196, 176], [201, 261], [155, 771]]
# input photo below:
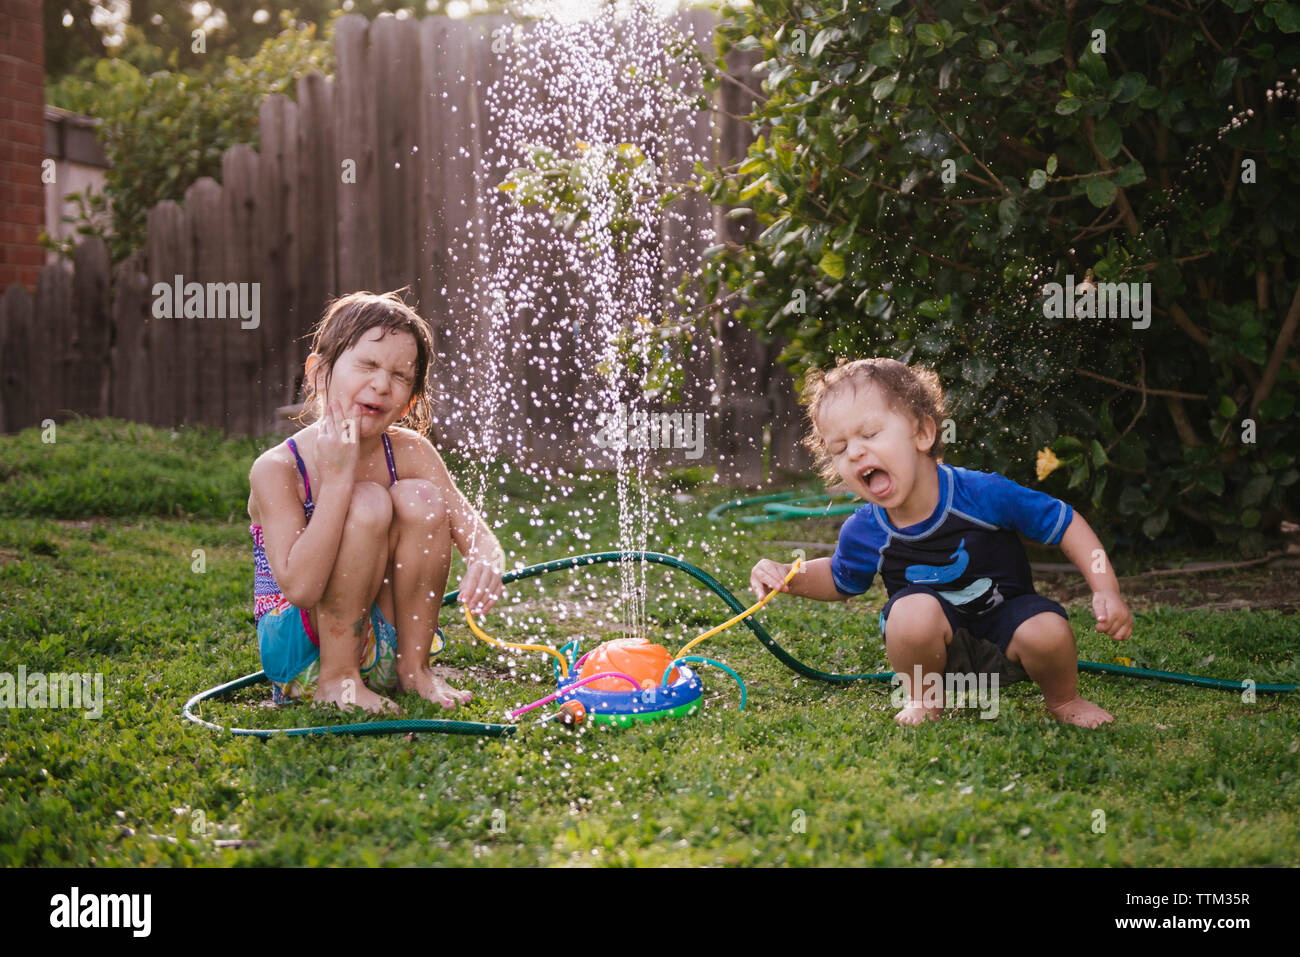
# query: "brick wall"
[[22, 141]]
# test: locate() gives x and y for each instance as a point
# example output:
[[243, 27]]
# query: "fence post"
[[318, 185], [358, 133], [203, 340], [54, 328], [277, 266], [90, 288], [131, 353]]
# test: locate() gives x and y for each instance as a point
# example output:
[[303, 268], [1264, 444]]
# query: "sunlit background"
[[110, 16]]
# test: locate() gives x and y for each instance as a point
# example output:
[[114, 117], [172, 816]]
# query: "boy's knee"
[[418, 502], [1044, 633], [916, 618], [370, 507]]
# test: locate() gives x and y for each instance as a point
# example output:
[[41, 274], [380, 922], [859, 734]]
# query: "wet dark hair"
[[915, 392], [345, 322]]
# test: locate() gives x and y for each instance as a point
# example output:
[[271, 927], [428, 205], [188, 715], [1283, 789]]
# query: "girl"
[[353, 520], [943, 539]]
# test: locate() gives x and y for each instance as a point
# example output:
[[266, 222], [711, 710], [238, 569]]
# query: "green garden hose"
[[783, 505], [481, 729]]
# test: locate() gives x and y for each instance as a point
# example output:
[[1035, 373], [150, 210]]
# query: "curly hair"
[[915, 392], [350, 317]]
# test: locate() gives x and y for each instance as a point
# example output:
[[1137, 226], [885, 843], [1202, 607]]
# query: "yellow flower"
[[1047, 463], [581, 145]]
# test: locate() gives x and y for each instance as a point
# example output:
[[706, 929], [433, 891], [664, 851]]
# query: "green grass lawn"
[[807, 774]]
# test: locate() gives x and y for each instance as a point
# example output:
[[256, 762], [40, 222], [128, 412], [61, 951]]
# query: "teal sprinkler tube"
[[481, 729]]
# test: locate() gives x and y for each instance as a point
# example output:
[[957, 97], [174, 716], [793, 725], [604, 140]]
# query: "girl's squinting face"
[[877, 450], [373, 380]]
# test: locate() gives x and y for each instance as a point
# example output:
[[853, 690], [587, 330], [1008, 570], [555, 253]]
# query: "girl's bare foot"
[[351, 692], [428, 685], [916, 712], [1081, 712]]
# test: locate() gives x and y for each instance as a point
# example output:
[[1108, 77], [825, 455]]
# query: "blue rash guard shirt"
[[967, 550]]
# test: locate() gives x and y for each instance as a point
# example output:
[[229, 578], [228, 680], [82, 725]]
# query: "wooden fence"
[[408, 105]]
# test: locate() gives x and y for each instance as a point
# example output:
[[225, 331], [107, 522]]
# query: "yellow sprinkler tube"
[[742, 616], [473, 626]]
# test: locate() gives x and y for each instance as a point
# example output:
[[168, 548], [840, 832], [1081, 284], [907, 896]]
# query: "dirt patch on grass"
[[1275, 585], [85, 523]]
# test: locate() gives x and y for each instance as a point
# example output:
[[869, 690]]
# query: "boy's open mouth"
[[369, 409], [877, 480]]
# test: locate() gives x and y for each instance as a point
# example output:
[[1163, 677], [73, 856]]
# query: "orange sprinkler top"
[[635, 657]]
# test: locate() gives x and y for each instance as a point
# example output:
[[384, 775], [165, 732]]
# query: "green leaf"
[[1128, 87], [1256, 490], [931, 308], [1227, 408], [1130, 174], [884, 87], [1068, 104], [1108, 138], [1078, 476], [832, 264], [1211, 480], [1098, 454], [1041, 57], [978, 371], [881, 54], [1037, 179], [1155, 524], [1130, 500], [1101, 191], [928, 34], [1051, 165], [1067, 443]]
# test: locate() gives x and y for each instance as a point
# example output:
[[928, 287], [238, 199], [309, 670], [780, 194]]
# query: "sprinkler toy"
[[571, 688], [627, 680]]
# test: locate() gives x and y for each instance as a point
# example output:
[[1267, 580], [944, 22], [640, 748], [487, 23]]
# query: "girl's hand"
[[482, 585], [337, 451], [769, 576], [1113, 617]]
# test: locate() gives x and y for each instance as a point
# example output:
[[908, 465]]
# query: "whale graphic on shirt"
[[944, 574], [940, 574]]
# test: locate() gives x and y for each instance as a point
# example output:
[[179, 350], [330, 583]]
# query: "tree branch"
[[1144, 389], [1279, 352]]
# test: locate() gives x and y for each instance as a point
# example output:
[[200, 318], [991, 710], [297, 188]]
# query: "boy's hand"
[[768, 576], [482, 585], [1113, 616]]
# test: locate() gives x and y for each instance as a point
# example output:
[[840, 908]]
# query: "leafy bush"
[[924, 170], [164, 130]]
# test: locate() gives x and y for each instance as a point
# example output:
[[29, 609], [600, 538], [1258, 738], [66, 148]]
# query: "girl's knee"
[[370, 506], [418, 502]]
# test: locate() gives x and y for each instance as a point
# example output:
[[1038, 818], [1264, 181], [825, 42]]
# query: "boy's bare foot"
[[916, 712], [1081, 712], [350, 692], [428, 685]]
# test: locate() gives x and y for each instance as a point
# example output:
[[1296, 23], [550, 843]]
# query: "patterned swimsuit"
[[266, 591], [287, 643]]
